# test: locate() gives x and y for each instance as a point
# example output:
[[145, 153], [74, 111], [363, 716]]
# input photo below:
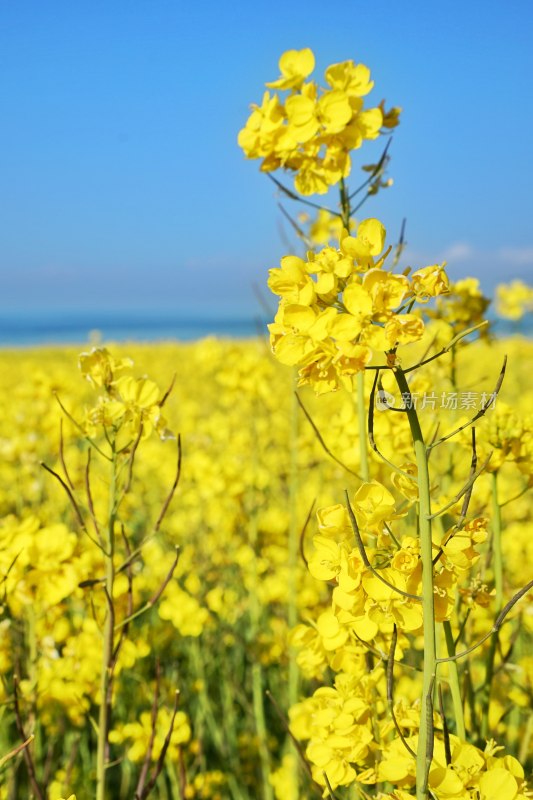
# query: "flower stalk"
[[106, 677], [425, 742]]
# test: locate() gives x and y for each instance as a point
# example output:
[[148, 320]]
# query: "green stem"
[[261, 728], [497, 566], [361, 409], [524, 751], [293, 545], [108, 644], [255, 619], [426, 551], [34, 726], [292, 609], [453, 679], [453, 367], [497, 561], [361, 414], [345, 205]]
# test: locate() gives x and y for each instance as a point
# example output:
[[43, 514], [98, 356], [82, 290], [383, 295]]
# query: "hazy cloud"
[[459, 251], [518, 256]]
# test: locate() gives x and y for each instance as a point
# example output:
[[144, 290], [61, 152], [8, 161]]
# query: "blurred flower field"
[[242, 628]]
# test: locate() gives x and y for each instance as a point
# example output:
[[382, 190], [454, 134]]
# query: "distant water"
[[47, 327], [81, 327]]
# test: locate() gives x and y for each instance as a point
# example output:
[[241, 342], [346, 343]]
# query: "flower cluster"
[[130, 404], [514, 299], [340, 305], [312, 132]]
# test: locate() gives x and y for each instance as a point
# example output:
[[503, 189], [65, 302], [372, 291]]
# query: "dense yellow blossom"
[[232, 522], [312, 131], [514, 299], [340, 305]]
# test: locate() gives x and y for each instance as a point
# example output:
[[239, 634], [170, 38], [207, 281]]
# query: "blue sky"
[[122, 184]]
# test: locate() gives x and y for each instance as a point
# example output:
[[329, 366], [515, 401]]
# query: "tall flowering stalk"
[[127, 411], [342, 313]]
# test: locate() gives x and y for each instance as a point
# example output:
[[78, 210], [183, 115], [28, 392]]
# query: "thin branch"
[[446, 732], [26, 752], [155, 597], [158, 768], [383, 656], [482, 411], [468, 495], [129, 612], [390, 690], [12, 753], [401, 244], [296, 743], [371, 438], [62, 454], [466, 488], [526, 488], [5, 576], [450, 345], [139, 792], [331, 793], [73, 502], [466, 502], [322, 442], [80, 428], [294, 196], [131, 460], [90, 503], [495, 628], [374, 173], [364, 557], [299, 232], [442, 352], [430, 744], [302, 533], [168, 392], [461, 628], [361, 203], [168, 501]]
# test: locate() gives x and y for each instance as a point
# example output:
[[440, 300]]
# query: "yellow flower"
[[373, 504], [464, 305], [99, 366], [368, 243], [429, 282], [135, 402], [295, 66], [354, 79], [263, 128], [386, 290], [334, 111], [325, 228], [329, 265], [312, 133], [404, 329], [514, 299], [302, 116], [139, 734], [325, 563], [292, 281], [459, 546]]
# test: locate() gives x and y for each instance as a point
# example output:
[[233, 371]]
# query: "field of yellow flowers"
[[241, 614]]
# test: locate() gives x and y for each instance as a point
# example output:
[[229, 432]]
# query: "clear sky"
[[121, 183]]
